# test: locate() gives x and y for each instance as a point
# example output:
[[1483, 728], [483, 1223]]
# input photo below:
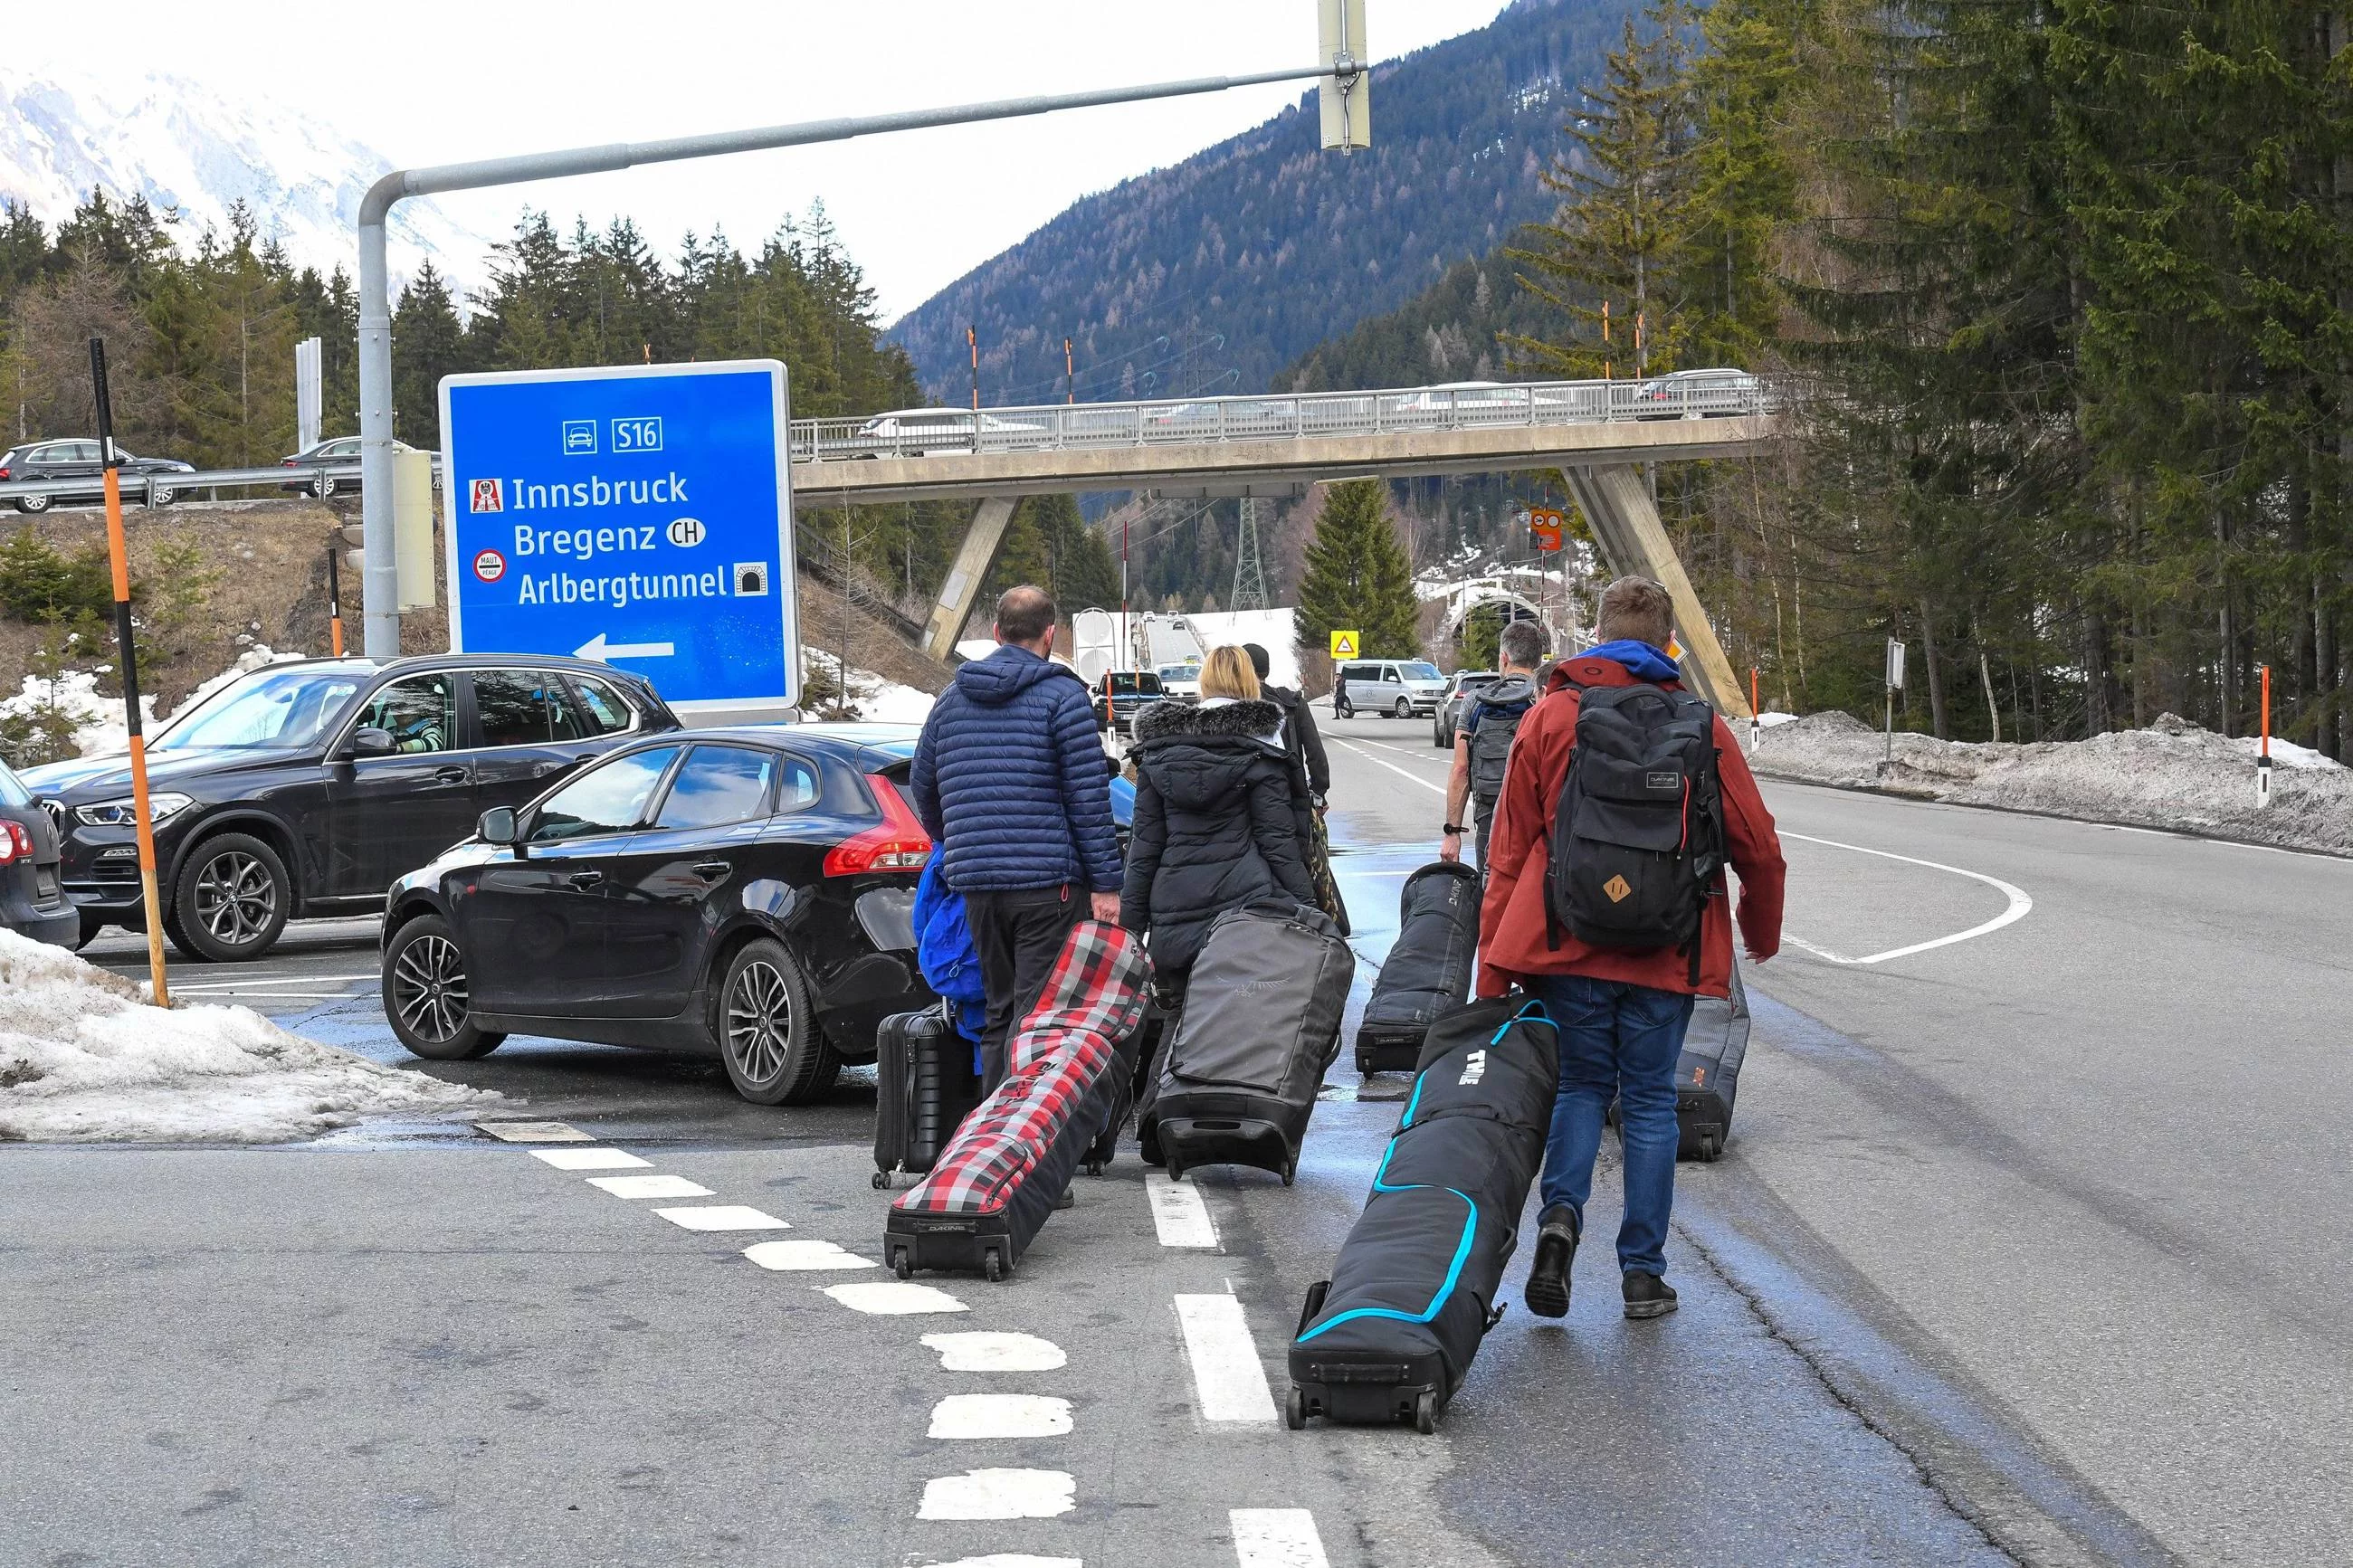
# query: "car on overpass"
[[78, 458], [920, 432], [303, 788], [1460, 687], [1718, 394], [32, 900]]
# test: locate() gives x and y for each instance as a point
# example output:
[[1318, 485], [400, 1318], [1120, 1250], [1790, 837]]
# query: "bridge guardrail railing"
[[1194, 421], [164, 488]]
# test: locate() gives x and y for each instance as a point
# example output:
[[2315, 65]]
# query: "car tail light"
[[15, 844], [898, 843]]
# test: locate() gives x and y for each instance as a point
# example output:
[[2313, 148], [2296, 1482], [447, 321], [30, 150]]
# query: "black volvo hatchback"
[[743, 892]]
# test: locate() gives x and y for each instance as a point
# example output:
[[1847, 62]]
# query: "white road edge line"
[[1433, 788], [1178, 1214], [1229, 1380], [1276, 1538], [2020, 905]]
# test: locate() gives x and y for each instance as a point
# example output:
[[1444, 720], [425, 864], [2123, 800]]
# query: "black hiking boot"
[[1647, 1296], [1069, 1199], [1556, 1238]]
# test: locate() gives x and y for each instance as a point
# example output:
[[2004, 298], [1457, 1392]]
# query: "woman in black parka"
[[1216, 823]]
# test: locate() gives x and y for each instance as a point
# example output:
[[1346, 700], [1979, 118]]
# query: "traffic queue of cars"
[[563, 857]]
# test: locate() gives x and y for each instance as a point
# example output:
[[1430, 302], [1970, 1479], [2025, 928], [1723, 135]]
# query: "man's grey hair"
[[1523, 644]]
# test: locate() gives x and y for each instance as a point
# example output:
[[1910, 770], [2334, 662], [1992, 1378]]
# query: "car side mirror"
[[370, 741], [497, 827]]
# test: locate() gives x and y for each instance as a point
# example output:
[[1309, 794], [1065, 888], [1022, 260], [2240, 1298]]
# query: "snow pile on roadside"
[[1275, 630], [83, 1057], [70, 709], [877, 701], [2173, 774]]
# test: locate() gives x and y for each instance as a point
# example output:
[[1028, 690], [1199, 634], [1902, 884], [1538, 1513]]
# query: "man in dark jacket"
[[1300, 736], [1621, 1012], [1214, 827], [1011, 778], [1483, 740]]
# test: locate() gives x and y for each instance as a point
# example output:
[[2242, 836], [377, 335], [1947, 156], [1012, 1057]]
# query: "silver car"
[[1389, 687]]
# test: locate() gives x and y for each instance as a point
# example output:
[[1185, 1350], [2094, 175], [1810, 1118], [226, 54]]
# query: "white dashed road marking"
[[723, 1216], [964, 1416], [999, 1494], [591, 1160], [1228, 1378], [1276, 1538], [995, 1352], [893, 1298], [650, 1186], [1433, 788], [1013, 1559], [1178, 1212], [794, 1255], [533, 1133]]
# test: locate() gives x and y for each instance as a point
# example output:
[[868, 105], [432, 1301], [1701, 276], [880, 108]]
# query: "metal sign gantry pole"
[[379, 584]]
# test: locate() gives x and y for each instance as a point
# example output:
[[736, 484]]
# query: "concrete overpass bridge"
[[1597, 433]]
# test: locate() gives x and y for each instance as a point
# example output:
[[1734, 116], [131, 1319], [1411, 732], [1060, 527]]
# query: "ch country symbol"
[[1345, 644]]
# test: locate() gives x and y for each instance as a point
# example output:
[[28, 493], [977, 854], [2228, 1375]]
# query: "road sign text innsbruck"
[[637, 515]]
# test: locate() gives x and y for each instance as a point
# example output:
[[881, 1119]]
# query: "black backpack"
[[1491, 742], [1638, 835]]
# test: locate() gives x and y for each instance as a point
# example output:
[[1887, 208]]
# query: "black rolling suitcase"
[[923, 1086], [1006, 1165], [1707, 1075], [1428, 969], [1391, 1335], [1260, 1023]]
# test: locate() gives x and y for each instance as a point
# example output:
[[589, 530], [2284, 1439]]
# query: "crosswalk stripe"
[[1227, 1379], [1276, 1538]]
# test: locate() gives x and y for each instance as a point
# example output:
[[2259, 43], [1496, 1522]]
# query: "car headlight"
[[124, 814]]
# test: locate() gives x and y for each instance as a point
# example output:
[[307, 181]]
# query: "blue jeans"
[[1617, 1041]]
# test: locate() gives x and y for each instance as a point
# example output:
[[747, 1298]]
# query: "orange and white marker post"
[[118, 554], [334, 602], [2263, 756], [1754, 728]]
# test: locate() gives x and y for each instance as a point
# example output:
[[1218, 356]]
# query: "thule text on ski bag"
[[1638, 836]]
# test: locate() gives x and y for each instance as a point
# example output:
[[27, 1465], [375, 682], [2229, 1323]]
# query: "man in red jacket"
[[1621, 1012]]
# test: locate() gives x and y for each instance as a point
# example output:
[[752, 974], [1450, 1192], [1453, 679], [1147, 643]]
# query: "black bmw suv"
[[306, 788]]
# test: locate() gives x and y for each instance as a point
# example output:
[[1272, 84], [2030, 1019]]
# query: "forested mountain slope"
[[1215, 274]]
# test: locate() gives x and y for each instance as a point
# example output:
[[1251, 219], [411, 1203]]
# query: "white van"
[[1388, 688]]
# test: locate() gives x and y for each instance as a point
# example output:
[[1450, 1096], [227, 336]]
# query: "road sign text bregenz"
[[635, 515]]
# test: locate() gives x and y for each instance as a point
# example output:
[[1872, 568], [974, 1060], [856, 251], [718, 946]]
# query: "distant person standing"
[[1612, 912], [1300, 736], [1483, 740], [1011, 778]]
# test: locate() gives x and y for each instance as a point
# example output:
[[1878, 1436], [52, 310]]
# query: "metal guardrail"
[[162, 490], [1194, 421], [1065, 427]]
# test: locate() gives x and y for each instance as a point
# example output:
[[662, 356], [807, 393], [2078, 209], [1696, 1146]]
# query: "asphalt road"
[[2030, 1246]]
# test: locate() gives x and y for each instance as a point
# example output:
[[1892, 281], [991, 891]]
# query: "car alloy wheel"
[[426, 997], [322, 488], [769, 1039], [164, 495], [230, 901], [1404, 708], [34, 503]]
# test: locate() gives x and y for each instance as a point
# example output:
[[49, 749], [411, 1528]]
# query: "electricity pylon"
[[1249, 573]]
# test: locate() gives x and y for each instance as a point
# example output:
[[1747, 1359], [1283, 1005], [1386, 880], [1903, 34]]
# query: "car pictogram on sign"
[[490, 565]]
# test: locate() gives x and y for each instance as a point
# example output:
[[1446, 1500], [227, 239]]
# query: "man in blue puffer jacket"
[[1010, 777]]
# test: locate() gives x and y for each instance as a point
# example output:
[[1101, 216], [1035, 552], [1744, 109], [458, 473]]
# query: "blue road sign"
[[638, 515]]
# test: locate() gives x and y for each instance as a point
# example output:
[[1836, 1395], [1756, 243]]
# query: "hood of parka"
[[1199, 758]]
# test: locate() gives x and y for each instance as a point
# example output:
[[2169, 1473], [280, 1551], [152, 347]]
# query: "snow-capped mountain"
[[184, 147]]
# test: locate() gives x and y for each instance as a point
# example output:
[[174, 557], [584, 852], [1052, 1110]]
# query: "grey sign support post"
[[380, 585]]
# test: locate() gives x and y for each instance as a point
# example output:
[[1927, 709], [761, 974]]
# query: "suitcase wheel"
[[882, 1179], [1094, 1167], [1364, 1064], [1425, 1412], [1294, 1412], [903, 1263], [992, 1267], [1289, 1171], [1709, 1149]]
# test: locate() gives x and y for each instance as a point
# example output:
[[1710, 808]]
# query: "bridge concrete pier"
[[1633, 540], [973, 559]]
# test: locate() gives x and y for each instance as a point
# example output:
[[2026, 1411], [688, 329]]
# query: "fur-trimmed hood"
[[1249, 720]]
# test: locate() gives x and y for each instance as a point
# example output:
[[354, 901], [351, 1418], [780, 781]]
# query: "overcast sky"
[[434, 81]]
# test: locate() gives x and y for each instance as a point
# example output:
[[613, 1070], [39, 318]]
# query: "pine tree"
[[428, 344], [1358, 577], [1620, 241]]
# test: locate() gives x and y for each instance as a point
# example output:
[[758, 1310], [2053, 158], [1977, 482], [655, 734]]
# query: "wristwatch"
[[1456, 829]]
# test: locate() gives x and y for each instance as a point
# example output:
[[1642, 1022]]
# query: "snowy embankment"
[[69, 708], [2173, 774], [876, 699], [83, 1057]]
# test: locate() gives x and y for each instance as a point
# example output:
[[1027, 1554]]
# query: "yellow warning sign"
[[1345, 644]]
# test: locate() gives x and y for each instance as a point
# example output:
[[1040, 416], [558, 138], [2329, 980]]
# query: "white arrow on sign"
[[604, 652]]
